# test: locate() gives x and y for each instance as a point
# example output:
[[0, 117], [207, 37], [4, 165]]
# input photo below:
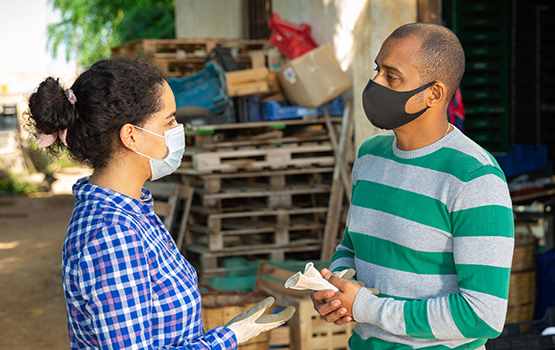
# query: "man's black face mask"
[[385, 108]]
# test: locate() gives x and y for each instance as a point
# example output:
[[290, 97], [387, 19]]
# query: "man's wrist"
[[362, 306]]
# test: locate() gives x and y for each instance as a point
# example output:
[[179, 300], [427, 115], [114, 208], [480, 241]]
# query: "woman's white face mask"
[[175, 141]]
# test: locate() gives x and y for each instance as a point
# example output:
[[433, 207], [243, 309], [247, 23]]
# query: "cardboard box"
[[314, 78]]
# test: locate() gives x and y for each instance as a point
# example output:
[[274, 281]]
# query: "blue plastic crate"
[[522, 158], [205, 89], [545, 283], [255, 110], [274, 110]]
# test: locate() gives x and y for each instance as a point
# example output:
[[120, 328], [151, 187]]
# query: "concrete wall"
[[356, 30], [222, 19]]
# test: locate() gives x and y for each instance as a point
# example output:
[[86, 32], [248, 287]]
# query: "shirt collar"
[[84, 191]]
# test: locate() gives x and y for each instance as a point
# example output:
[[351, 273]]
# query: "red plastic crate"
[[290, 38]]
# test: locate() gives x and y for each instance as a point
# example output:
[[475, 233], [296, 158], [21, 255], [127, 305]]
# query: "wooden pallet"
[[276, 179], [210, 264], [179, 57], [297, 155], [180, 48], [257, 134], [234, 231], [270, 198]]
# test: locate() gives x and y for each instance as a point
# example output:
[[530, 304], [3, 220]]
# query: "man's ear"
[[438, 94], [127, 135]]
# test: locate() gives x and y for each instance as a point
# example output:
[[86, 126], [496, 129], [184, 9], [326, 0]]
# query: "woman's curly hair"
[[110, 94]]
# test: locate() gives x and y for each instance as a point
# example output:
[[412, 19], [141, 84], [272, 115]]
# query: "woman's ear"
[[438, 94], [127, 135]]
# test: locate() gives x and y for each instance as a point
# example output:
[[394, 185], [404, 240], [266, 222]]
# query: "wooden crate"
[[247, 82]]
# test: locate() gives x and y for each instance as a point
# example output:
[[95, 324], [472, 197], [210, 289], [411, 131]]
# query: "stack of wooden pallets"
[[181, 57], [261, 191]]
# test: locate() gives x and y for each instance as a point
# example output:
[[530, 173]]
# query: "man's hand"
[[336, 307]]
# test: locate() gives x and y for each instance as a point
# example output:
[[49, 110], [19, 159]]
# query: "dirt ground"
[[32, 307]]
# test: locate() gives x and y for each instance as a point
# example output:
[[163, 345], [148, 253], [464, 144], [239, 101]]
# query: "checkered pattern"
[[126, 284]]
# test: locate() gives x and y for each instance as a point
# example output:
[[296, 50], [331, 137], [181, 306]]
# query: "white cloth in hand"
[[310, 279]]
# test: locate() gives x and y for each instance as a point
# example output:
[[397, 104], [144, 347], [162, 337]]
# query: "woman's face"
[[158, 123]]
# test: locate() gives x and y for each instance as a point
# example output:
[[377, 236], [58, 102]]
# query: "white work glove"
[[251, 323], [312, 279]]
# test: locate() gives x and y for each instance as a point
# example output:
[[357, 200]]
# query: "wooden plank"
[[249, 125], [258, 58], [228, 166], [162, 208], [429, 11], [257, 152], [247, 82], [265, 193], [160, 189], [268, 212], [332, 218], [337, 150], [246, 76], [247, 89], [267, 173], [335, 202], [279, 337]]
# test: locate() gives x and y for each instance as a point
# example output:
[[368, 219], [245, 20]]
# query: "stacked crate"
[[181, 57], [482, 27], [261, 191]]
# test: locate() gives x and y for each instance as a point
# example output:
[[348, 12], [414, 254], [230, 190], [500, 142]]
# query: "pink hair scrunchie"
[[46, 140]]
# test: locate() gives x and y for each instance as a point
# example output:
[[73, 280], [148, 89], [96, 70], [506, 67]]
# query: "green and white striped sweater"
[[433, 230]]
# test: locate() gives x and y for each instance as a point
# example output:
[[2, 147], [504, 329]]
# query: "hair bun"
[[51, 108]]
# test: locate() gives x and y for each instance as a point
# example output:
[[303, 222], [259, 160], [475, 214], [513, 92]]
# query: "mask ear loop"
[[153, 133]]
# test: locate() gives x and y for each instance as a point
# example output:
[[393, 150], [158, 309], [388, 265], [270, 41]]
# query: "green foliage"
[[49, 162], [10, 184], [89, 28]]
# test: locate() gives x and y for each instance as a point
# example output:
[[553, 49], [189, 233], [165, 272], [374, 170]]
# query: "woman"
[[126, 284]]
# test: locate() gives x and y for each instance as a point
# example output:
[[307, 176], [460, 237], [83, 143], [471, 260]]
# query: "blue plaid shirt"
[[126, 284]]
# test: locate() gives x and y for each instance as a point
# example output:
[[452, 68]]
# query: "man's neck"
[[419, 135]]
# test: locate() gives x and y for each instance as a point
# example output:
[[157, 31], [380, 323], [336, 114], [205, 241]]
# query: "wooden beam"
[[429, 11], [338, 189]]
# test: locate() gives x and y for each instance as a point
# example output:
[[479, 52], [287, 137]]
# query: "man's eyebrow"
[[172, 114], [396, 70]]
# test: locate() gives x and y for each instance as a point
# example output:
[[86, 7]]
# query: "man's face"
[[396, 69]]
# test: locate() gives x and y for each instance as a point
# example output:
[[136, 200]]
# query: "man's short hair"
[[441, 54]]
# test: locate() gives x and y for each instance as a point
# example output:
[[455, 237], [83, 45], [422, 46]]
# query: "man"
[[430, 222]]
